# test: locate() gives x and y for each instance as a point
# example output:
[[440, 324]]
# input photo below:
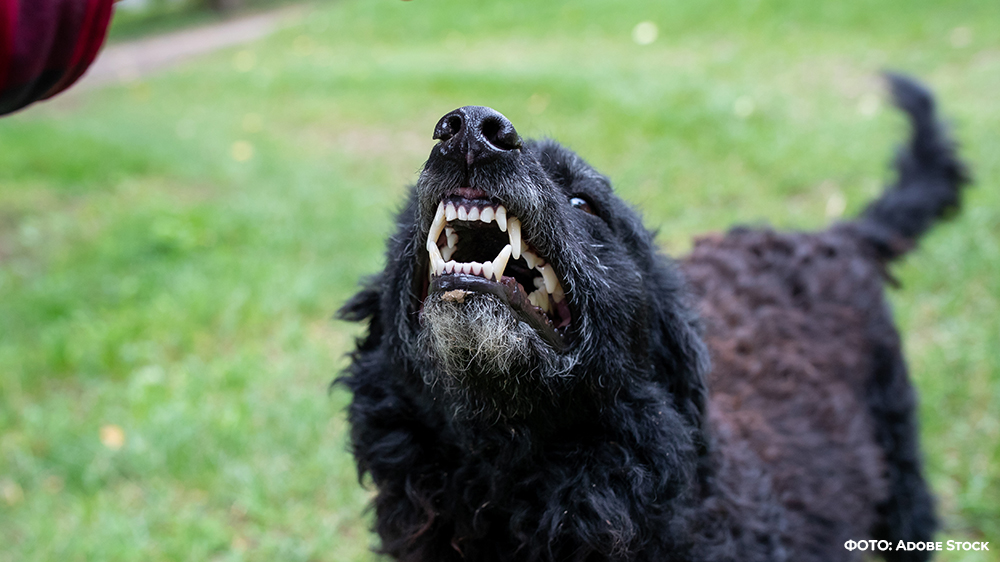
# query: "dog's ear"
[[362, 305], [366, 305]]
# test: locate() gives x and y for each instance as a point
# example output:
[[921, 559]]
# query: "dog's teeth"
[[533, 298], [477, 268], [543, 300], [452, 238], [514, 230], [501, 217], [436, 225], [558, 295], [474, 214], [531, 258], [487, 214], [450, 213], [463, 215], [436, 266], [539, 282], [549, 277], [488, 270], [466, 268], [438, 216], [432, 249], [447, 252], [450, 266], [540, 299], [500, 263]]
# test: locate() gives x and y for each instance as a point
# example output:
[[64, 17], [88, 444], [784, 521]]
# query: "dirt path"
[[123, 62]]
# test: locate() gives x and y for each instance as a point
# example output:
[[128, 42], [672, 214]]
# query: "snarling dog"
[[538, 382]]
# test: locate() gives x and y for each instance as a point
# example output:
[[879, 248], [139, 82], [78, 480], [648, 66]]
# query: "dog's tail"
[[931, 177]]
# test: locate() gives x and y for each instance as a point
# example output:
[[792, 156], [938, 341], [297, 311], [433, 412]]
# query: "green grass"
[[152, 283]]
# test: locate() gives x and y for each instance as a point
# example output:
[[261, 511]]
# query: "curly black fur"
[[610, 438]]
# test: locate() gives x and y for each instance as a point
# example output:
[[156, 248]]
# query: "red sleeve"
[[46, 45]]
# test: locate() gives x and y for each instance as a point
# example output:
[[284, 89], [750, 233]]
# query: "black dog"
[[535, 383]]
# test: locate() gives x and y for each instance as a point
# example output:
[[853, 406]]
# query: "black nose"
[[475, 134]]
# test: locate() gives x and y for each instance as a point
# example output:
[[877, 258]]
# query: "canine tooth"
[[450, 213], [549, 277], [436, 225], [558, 295], [487, 214], [433, 250], [514, 230], [452, 239], [500, 263], [531, 258], [488, 270], [439, 266], [501, 217], [447, 252], [450, 266], [463, 215], [474, 214], [477, 268]]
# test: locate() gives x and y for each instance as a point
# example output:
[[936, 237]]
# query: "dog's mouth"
[[475, 246]]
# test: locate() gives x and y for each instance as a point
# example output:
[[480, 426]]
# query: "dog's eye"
[[582, 204]]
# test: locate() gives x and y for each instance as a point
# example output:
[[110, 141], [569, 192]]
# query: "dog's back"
[[809, 396]]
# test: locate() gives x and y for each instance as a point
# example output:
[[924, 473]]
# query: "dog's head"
[[518, 281]]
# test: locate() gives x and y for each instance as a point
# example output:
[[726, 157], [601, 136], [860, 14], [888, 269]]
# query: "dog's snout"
[[475, 134]]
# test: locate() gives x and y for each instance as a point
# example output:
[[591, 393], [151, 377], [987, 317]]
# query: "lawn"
[[172, 249]]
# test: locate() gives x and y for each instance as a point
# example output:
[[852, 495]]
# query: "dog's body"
[[581, 420]]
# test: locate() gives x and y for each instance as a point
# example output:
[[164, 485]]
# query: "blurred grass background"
[[172, 249], [139, 18]]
